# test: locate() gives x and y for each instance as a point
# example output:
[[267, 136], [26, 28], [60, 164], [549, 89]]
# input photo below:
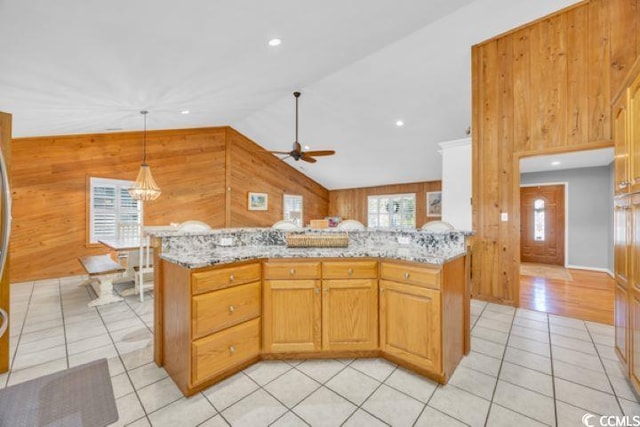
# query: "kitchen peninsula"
[[226, 298]]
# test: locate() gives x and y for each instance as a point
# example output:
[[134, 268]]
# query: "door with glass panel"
[[542, 224]]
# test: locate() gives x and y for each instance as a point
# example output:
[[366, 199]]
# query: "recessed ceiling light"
[[275, 42], [399, 123], [555, 163], [185, 112], [306, 147]]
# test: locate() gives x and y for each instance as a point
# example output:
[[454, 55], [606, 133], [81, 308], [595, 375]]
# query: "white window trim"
[[284, 205], [392, 196], [118, 184]]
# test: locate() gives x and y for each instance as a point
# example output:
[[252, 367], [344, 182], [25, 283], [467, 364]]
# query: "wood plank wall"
[[264, 173], [352, 203], [543, 88], [5, 288], [192, 167]]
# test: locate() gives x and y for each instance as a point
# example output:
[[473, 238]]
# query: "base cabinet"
[[291, 315], [410, 324], [350, 314]]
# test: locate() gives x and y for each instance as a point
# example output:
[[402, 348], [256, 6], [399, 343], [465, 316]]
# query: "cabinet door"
[[633, 108], [410, 324], [634, 307], [291, 316], [350, 314], [622, 239], [622, 322], [621, 138]]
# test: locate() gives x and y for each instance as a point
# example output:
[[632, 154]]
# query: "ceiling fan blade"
[[272, 152], [320, 153], [308, 159]]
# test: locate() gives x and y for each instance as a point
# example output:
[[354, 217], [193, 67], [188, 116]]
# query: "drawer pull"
[[292, 271], [232, 278], [350, 271], [406, 275], [231, 309], [232, 349]]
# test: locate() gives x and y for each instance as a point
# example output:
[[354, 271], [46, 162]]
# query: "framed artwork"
[[434, 203], [258, 202]]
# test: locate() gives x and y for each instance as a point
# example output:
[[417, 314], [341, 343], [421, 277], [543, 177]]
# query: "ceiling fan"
[[297, 153]]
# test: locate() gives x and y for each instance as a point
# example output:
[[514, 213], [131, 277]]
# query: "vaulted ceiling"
[[89, 66]]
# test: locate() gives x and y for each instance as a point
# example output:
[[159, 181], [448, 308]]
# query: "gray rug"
[[80, 396]]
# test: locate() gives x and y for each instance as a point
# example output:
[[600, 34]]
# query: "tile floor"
[[526, 368]]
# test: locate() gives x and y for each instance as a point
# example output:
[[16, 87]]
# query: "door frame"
[[566, 214]]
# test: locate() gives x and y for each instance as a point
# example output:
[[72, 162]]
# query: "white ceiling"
[[84, 66], [578, 159]]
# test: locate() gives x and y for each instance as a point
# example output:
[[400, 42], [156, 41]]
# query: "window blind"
[[392, 211], [292, 208], [114, 214]]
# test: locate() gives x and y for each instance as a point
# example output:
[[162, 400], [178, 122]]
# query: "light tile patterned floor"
[[526, 368]]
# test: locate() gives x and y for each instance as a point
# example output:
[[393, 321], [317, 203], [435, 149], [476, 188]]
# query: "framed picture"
[[258, 202], [434, 203]]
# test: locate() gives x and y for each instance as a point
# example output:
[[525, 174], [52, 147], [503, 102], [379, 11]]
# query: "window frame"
[[284, 205], [119, 185], [401, 211]]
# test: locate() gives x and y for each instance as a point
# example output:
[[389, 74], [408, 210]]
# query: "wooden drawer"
[[219, 278], [421, 276], [291, 270], [218, 310], [350, 270], [219, 352]]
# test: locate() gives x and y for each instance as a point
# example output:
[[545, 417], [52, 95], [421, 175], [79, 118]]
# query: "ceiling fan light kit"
[[297, 153]]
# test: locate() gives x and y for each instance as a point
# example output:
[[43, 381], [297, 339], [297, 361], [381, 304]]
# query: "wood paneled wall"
[[252, 171], [198, 170], [352, 203], [542, 88]]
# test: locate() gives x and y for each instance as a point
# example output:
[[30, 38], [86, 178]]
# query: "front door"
[[542, 224]]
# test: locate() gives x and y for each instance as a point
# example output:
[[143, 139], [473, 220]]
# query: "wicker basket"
[[333, 240]]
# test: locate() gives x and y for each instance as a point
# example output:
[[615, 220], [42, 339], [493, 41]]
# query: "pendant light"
[[145, 188]]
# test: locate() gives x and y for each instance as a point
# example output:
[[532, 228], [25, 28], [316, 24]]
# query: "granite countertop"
[[228, 255]]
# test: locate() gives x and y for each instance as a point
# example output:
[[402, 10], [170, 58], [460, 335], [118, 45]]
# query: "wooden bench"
[[101, 270]]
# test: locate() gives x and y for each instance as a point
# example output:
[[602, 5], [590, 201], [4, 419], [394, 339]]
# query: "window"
[[292, 209], [114, 214], [538, 220], [392, 211]]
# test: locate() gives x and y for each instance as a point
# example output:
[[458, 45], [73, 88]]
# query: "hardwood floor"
[[589, 296]]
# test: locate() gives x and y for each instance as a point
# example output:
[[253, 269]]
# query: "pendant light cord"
[[144, 137]]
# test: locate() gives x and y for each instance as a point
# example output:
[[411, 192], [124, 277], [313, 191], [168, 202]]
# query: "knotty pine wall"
[[264, 173], [352, 203], [195, 168], [543, 88]]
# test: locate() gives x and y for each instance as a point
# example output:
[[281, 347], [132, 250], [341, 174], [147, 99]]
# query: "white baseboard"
[[601, 270]]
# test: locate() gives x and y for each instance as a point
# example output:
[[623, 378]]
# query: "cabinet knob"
[[232, 349], [317, 290], [231, 309], [381, 290], [636, 180], [350, 271], [292, 271], [623, 184], [232, 278], [406, 275]]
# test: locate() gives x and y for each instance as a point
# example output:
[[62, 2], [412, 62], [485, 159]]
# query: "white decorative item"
[[285, 224], [194, 225]]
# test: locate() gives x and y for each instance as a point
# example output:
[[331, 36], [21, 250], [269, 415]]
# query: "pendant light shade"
[[145, 187]]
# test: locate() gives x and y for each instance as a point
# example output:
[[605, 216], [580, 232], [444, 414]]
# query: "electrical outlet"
[[404, 240], [226, 241], [504, 216]]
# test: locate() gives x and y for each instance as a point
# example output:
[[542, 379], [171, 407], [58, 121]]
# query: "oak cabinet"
[[410, 324], [626, 116], [291, 316], [350, 314]]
